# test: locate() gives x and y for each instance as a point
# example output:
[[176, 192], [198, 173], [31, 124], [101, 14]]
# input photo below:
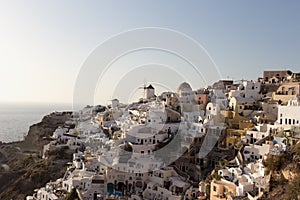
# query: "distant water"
[[15, 119]]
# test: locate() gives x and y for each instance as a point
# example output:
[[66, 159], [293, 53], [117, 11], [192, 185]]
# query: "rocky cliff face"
[[21, 168], [38, 133], [285, 175]]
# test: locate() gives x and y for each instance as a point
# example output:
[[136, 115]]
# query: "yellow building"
[[234, 120], [233, 136], [237, 127]]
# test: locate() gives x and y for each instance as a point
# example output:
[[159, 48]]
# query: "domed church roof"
[[184, 87]]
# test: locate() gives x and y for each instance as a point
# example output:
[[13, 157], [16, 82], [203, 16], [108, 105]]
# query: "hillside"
[[285, 175], [21, 167]]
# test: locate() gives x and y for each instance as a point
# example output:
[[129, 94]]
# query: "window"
[[214, 188]]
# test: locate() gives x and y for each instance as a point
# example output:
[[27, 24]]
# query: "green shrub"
[[72, 195], [276, 162]]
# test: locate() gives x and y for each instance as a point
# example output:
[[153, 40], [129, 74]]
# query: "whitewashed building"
[[248, 89], [290, 114]]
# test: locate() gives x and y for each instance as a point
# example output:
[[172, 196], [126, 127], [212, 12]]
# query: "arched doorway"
[[121, 187], [110, 188]]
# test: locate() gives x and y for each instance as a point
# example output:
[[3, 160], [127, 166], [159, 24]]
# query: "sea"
[[16, 118]]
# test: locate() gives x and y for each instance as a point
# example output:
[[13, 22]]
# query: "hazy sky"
[[43, 44]]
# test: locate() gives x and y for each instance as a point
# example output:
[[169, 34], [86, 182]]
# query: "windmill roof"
[[150, 87]]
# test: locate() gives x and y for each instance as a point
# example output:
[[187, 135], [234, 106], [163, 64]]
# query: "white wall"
[[289, 115]]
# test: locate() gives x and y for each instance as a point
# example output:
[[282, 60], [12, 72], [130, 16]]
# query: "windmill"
[[144, 88]]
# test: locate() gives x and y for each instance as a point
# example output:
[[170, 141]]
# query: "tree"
[[72, 195]]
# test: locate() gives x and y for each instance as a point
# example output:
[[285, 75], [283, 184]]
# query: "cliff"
[[21, 167], [285, 175]]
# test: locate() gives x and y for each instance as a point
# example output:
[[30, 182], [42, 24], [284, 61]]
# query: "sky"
[[44, 44]]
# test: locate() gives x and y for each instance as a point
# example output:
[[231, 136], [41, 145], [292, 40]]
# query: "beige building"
[[286, 91], [172, 115], [243, 106], [222, 189]]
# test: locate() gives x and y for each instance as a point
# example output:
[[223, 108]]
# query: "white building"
[[218, 97], [255, 134], [78, 178], [50, 191], [115, 103], [59, 132], [254, 152], [248, 89], [144, 138], [290, 114], [186, 97], [165, 184], [156, 114], [212, 109], [244, 182]]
